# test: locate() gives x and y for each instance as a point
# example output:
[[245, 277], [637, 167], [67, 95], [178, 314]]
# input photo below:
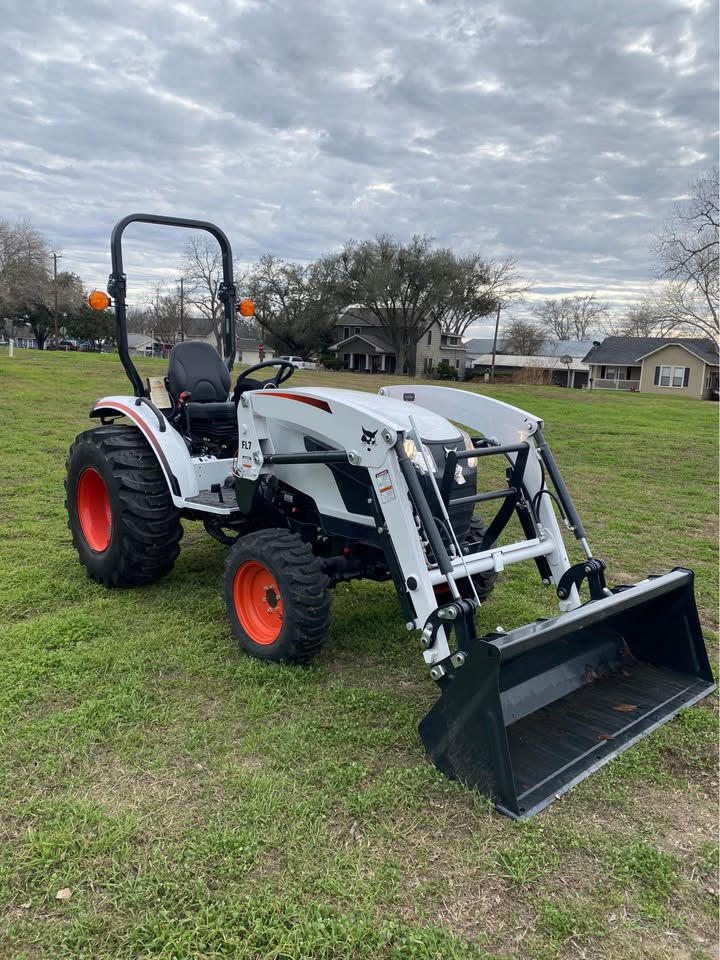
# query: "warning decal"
[[384, 486]]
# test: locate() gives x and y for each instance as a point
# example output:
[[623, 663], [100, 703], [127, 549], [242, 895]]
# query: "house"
[[363, 345], [680, 366], [558, 362]]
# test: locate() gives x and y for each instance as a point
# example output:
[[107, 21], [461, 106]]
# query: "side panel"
[[169, 447]]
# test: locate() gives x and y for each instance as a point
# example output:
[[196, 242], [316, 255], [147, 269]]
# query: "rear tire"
[[277, 597], [124, 524]]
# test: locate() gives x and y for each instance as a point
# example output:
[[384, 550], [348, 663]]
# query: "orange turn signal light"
[[99, 300], [246, 308]]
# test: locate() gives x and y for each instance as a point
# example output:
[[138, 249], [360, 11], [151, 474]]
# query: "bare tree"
[[202, 272], [641, 320], [571, 318], [523, 337], [474, 292], [162, 315], [24, 272], [689, 251]]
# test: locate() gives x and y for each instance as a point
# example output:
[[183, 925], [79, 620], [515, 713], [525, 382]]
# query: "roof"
[[481, 345], [514, 360], [702, 349], [357, 315], [369, 339], [630, 350], [562, 348]]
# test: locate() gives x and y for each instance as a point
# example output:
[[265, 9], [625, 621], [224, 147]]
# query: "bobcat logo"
[[368, 438]]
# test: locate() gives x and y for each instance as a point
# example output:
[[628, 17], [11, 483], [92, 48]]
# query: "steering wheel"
[[286, 370]]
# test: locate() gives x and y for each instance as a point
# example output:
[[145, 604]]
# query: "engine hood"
[[396, 413]]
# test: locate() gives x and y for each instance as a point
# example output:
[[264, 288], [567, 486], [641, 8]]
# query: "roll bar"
[[117, 285]]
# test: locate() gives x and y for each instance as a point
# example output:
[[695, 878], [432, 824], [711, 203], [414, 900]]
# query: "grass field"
[[199, 804]]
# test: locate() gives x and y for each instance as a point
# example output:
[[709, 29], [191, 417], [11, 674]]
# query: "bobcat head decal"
[[368, 438]]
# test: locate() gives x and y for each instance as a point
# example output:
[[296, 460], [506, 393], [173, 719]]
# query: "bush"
[[444, 371], [331, 362]]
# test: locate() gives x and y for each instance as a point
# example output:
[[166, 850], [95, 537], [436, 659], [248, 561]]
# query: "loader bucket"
[[533, 712]]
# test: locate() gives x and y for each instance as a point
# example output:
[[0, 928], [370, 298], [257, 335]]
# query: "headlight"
[[410, 449], [416, 457], [472, 462]]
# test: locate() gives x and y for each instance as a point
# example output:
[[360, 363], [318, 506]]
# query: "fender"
[[167, 445]]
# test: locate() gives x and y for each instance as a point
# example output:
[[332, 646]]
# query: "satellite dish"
[[566, 359]]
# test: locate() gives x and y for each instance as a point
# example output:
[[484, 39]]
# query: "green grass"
[[200, 804]]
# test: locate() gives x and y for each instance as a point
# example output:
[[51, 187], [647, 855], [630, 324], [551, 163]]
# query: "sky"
[[559, 134]]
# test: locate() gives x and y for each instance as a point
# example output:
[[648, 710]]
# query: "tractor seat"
[[197, 368]]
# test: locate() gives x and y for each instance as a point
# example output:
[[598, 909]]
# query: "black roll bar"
[[117, 285]]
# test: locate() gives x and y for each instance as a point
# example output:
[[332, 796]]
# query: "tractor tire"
[[124, 524], [277, 597]]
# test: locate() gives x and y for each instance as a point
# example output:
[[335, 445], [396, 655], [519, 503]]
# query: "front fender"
[[167, 444]]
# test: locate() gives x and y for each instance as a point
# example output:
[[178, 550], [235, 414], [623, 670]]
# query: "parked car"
[[62, 345], [299, 363]]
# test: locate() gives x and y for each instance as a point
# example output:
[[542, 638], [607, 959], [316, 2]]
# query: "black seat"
[[197, 368]]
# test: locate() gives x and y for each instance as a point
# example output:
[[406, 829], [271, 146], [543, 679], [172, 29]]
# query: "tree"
[[24, 273], [162, 315], [404, 286], [473, 293], [202, 272], [296, 305], [688, 252], [641, 320], [84, 323], [523, 338], [40, 318], [571, 318]]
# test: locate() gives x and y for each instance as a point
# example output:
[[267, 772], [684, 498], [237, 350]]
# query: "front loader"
[[311, 487]]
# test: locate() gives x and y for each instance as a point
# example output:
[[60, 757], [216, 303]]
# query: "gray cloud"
[[553, 132]]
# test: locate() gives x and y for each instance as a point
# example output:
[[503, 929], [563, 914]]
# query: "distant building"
[[681, 366], [362, 344]]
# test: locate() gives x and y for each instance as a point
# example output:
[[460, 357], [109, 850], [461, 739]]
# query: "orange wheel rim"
[[93, 507], [258, 603]]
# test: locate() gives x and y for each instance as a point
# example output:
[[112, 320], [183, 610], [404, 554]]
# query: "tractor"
[[309, 487]]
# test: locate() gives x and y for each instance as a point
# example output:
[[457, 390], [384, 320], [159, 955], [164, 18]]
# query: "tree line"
[[404, 287]]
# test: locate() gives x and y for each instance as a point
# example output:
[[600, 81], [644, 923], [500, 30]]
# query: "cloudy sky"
[[557, 133]]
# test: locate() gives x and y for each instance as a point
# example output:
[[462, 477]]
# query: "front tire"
[[277, 597], [124, 524]]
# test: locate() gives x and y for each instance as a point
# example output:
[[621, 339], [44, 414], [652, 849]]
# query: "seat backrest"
[[197, 368]]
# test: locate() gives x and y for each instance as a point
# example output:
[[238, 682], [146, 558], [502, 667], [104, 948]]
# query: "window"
[[428, 365], [457, 364], [672, 376], [357, 329], [346, 360], [346, 333], [611, 373], [429, 338]]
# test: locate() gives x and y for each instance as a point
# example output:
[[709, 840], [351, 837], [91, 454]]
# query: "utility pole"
[[56, 257], [494, 350], [182, 308]]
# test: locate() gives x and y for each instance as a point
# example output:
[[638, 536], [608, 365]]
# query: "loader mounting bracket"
[[592, 570], [460, 616]]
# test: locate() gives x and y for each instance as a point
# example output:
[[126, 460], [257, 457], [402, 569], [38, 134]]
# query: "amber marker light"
[[99, 300], [246, 308]]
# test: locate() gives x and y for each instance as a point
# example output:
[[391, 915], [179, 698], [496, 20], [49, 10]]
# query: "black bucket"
[[533, 712]]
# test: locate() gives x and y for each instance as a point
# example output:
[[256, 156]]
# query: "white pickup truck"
[[299, 363]]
